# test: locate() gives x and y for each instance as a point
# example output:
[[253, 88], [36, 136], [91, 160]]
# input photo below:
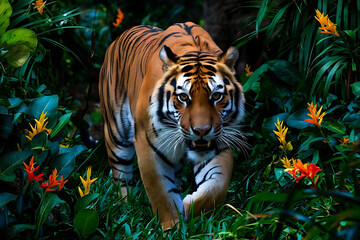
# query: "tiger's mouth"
[[201, 145]]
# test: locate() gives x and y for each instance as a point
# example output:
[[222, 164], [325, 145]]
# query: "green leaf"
[[283, 71], [14, 102], [83, 202], [5, 198], [86, 222], [261, 14], [17, 55], [327, 63], [63, 120], [64, 163], [4, 110], [334, 126], [356, 88], [6, 126], [296, 120], [5, 13], [260, 198], [10, 162], [17, 228], [39, 141], [77, 149], [17, 36], [279, 174], [255, 77], [48, 105], [18, 42], [48, 202]]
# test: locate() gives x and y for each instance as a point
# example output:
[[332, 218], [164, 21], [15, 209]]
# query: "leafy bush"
[[304, 65]]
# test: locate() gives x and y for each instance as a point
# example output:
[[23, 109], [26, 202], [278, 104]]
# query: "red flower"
[[30, 171], [53, 182], [62, 182], [300, 170]]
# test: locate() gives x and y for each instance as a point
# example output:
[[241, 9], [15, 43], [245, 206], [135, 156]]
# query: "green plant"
[[324, 63]]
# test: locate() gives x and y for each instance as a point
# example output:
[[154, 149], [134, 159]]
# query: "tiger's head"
[[197, 106]]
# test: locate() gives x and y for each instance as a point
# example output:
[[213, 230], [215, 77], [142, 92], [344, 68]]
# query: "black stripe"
[[188, 28], [189, 74], [121, 161], [211, 68], [202, 165], [178, 174], [205, 176], [117, 169], [154, 130], [125, 183], [160, 154], [170, 35], [187, 68], [174, 190], [168, 96], [170, 179]]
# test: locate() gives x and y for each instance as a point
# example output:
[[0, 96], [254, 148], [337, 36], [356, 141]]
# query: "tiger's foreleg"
[[119, 134], [212, 179], [161, 178]]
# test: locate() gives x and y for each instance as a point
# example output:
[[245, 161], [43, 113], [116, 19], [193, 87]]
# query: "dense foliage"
[[299, 178]]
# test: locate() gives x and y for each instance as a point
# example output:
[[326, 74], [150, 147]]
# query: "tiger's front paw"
[[168, 225]]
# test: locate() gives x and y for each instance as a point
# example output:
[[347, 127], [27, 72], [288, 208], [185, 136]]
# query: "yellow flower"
[[281, 133], [327, 26], [39, 5], [40, 126], [119, 18], [316, 118], [287, 163], [247, 69], [86, 183]]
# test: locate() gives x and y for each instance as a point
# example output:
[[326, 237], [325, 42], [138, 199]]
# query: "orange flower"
[[344, 141], [316, 118], [30, 171], [119, 18], [305, 170], [247, 69], [327, 26], [62, 182], [39, 5], [53, 182]]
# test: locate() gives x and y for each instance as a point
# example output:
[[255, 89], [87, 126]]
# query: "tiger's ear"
[[229, 58], [167, 57]]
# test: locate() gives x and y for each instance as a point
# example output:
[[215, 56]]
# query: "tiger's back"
[[172, 95]]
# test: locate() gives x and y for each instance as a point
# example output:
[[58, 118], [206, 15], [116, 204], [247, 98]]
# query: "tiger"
[[171, 97]]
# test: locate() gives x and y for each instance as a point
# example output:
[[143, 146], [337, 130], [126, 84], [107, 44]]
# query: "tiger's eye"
[[216, 96], [183, 97]]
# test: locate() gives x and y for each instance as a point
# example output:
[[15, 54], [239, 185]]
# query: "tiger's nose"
[[201, 131]]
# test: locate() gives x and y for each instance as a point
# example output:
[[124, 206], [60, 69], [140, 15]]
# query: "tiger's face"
[[197, 107]]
